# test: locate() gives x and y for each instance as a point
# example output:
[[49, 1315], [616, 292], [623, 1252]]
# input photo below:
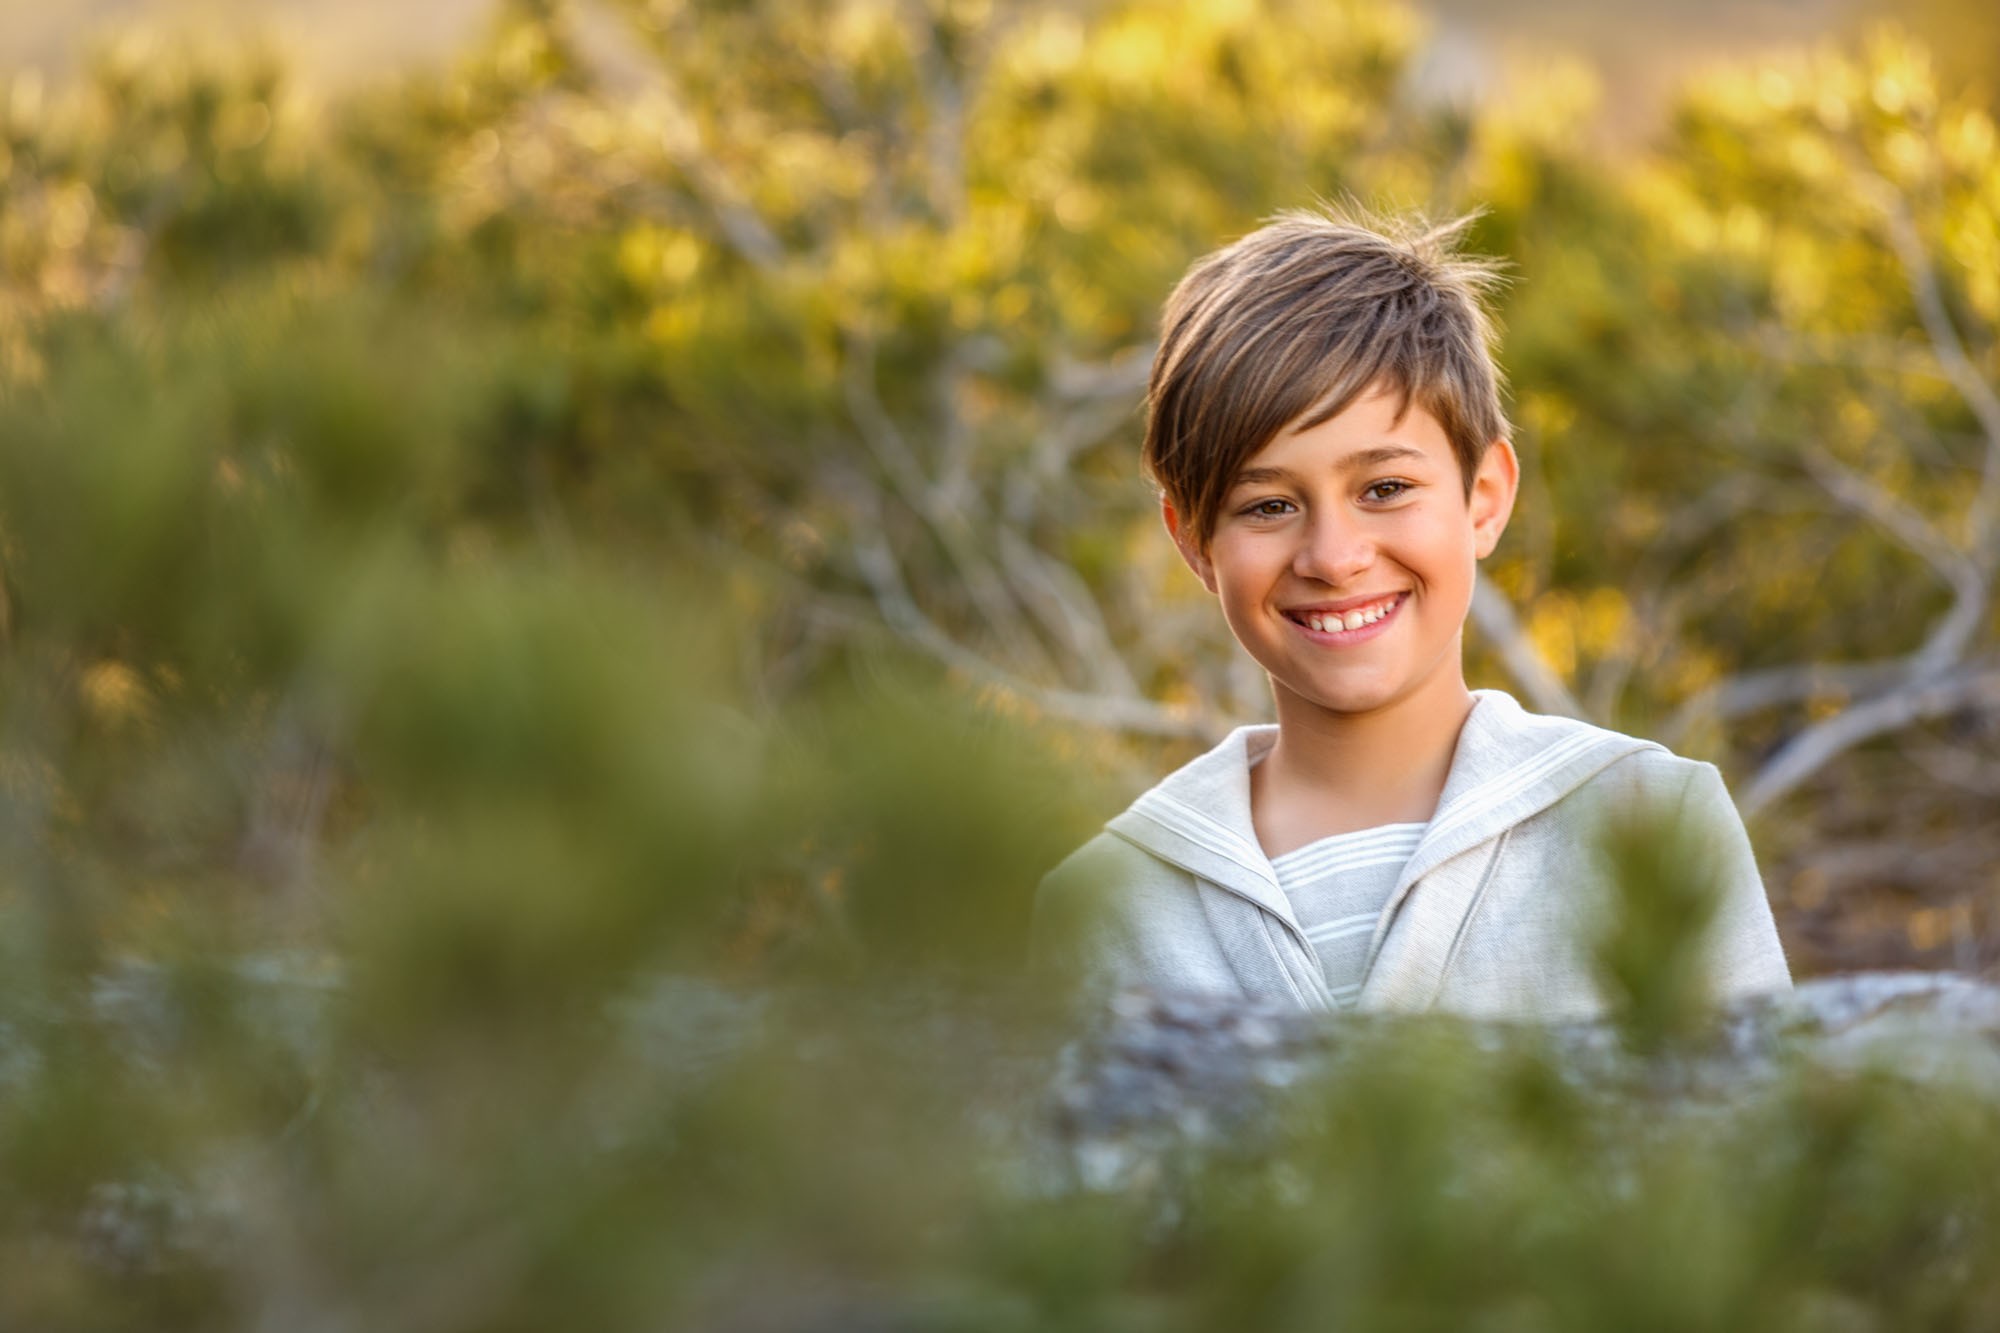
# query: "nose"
[[1335, 549]]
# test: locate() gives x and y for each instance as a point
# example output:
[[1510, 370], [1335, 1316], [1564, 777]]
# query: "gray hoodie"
[[1492, 917]]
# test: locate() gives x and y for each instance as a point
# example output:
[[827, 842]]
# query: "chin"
[[1353, 702]]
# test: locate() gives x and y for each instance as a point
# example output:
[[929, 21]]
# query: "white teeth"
[[1330, 622]]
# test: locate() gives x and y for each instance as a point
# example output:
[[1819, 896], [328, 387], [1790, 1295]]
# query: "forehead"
[[1378, 429]]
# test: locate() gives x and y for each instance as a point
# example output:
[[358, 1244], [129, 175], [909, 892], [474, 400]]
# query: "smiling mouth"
[[1346, 622]]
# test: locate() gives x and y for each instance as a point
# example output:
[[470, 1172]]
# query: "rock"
[[1166, 1076]]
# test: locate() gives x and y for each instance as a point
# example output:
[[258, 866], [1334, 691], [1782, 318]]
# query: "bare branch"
[[1895, 860], [1133, 714], [1970, 583], [1690, 525], [1494, 615], [1093, 400], [742, 226], [1871, 354], [1958, 768], [837, 93], [957, 441], [944, 106], [1875, 502], [1755, 691], [1613, 670], [1812, 749], [1064, 604], [879, 430], [1123, 377], [1950, 350], [1079, 429], [1955, 633], [989, 592]]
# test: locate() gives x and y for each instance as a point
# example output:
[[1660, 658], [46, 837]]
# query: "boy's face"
[[1344, 556]]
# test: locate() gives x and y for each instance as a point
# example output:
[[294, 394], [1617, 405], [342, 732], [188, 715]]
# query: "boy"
[[1327, 437]]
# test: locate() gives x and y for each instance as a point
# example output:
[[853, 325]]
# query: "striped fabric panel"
[[1345, 851], [1382, 834], [1361, 923], [1331, 863], [1337, 887]]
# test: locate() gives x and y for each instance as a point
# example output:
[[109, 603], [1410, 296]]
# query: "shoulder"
[[1686, 806], [1639, 765], [1103, 868], [1676, 784], [1659, 771], [1111, 914], [1503, 722], [1654, 787]]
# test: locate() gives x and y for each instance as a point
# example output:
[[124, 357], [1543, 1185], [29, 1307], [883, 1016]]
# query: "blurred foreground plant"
[[340, 815], [1651, 956]]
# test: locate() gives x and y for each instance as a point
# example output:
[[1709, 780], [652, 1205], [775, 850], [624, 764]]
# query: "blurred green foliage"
[[661, 505], [1650, 958]]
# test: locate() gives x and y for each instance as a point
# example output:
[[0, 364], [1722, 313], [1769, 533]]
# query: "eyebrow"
[[1354, 462]]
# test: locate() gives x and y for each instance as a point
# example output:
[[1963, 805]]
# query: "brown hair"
[[1303, 316]]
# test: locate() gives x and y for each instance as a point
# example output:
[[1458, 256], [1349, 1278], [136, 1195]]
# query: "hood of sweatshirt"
[[1509, 764]]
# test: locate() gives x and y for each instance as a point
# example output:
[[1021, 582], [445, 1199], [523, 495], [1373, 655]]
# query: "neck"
[[1362, 769]]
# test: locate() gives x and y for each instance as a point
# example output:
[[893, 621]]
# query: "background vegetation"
[[476, 545]]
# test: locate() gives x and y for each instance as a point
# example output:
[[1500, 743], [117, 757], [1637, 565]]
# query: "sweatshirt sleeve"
[[1745, 956], [1076, 941]]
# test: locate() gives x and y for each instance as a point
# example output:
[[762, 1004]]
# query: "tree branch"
[[1133, 714], [1754, 691], [996, 602], [1874, 502], [944, 126], [1123, 377], [1894, 860], [1957, 768], [1812, 749], [1950, 351], [1065, 605], [1494, 615], [742, 226], [1971, 584]]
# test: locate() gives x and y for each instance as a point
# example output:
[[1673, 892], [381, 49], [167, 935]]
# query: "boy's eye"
[[1386, 490], [1270, 508]]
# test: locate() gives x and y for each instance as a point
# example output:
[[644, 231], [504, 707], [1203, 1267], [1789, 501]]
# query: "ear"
[[1492, 501], [1190, 549]]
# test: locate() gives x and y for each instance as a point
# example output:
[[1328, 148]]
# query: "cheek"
[[1236, 601], [1241, 598], [1244, 578]]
